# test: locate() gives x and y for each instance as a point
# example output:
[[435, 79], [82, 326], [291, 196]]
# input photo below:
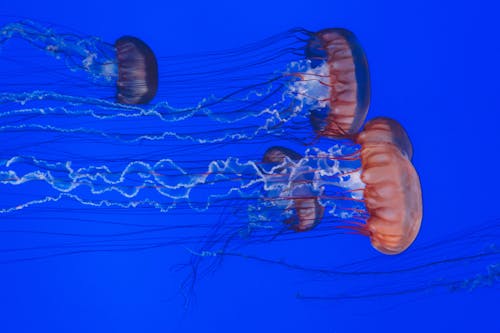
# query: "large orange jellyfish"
[[392, 194]]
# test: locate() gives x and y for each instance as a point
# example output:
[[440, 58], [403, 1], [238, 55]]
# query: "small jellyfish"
[[137, 71], [308, 211]]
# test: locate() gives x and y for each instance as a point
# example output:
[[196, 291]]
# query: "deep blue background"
[[434, 66]]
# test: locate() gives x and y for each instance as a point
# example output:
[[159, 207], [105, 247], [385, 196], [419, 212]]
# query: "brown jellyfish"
[[308, 211], [137, 71]]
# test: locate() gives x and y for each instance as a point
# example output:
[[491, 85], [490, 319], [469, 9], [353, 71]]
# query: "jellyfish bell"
[[347, 76], [137, 71], [392, 195], [309, 213]]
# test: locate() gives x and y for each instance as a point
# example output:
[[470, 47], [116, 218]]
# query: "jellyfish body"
[[348, 79], [308, 211], [137, 71], [392, 194]]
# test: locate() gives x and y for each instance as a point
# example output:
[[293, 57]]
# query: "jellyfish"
[[137, 81], [270, 88], [392, 194], [345, 72], [308, 211], [130, 63]]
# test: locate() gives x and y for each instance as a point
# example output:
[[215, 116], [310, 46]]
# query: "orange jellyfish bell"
[[308, 210], [392, 195], [348, 78]]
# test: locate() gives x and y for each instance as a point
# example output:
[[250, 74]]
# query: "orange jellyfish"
[[392, 195], [347, 76]]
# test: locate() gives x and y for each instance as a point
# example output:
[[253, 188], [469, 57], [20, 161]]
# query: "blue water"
[[432, 67]]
